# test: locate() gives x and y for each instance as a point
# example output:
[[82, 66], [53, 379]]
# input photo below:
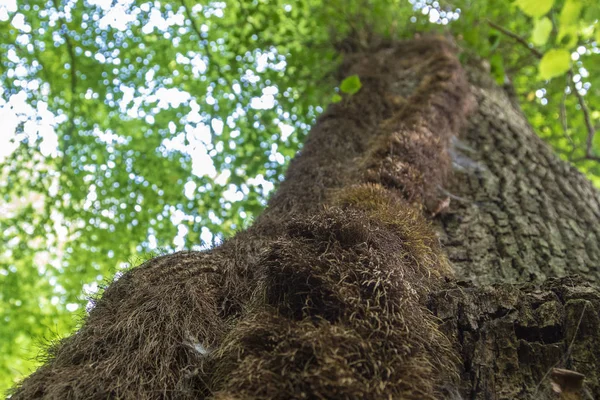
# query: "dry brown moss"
[[338, 311], [406, 219], [141, 340], [324, 296], [411, 152]]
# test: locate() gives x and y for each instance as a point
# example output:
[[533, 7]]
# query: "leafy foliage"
[[351, 85], [131, 127], [554, 63]]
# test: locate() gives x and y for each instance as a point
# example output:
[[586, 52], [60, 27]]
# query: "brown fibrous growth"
[[324, 297]]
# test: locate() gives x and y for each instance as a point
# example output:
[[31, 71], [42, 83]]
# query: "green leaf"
[[535, 8], [336, 98], [554, 63], [471, 36], [569, 14], [568, 23], [541, 31], [497, 68], [494, 40], [351, 85], [567, 36]]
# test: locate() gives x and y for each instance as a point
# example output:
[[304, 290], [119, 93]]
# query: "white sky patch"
[[206, 237], [19, 23], [434, 15], [199, 138], [215, 8], [117, 17], [217, 125], [232, 194], [277, 157], [266, 60], [90, 289], [110, 138], [202, 164], [223, 177], [270, 90], [286, 131], [128, 95], [176, 143], [49, 144], [194, 116], [6, 7], [179, 240], [265, 102], [37, 122], [157, 21], [259, 180], [190, 189], [199, 66], [171, 97], [250, 76], [199, 134], [152, 242]]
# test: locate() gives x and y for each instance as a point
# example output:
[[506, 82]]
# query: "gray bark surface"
[[521, 214], [519, 218]]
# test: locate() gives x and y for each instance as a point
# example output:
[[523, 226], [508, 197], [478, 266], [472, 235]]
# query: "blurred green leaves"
[[541, 31], [535, 8], [554, 63]]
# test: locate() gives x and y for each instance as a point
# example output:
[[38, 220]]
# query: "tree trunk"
[[341, 288]]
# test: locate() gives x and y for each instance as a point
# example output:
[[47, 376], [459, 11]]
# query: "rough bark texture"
[[333, 292], [521, 214]]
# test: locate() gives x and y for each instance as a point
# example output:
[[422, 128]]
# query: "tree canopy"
[[134, 128]]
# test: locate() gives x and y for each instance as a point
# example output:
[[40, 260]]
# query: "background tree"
[[198, 110]]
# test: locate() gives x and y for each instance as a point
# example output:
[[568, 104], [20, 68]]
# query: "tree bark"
[[341, 288]]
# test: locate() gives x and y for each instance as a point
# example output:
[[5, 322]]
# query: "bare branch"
[[73, 64], [516, 37], [564, 122], [591, 131]]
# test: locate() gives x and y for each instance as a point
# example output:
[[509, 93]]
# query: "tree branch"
[[591, 131], [516, 37], [564, 122], [71, 53]]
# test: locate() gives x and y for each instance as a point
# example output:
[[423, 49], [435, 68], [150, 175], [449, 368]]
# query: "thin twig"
[[563, 120], [518, 38], [70, 131], [73, 69], [591, 131]]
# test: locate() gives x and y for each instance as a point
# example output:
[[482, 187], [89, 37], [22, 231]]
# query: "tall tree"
[[334, 290], [131, 126]]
